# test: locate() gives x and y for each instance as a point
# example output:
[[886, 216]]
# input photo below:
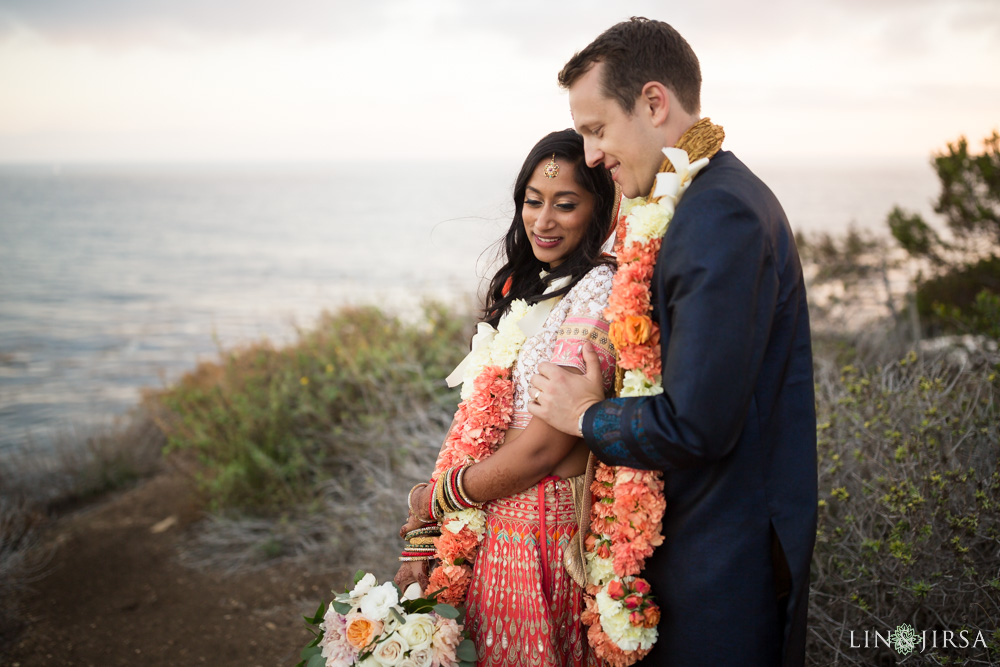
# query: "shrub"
[[909, 516], [272, 425]]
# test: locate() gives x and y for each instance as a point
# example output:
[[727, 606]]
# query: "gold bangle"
[[432, 531], [440, 504]]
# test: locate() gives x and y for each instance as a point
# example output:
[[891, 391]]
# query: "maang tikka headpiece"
[[551, 168]]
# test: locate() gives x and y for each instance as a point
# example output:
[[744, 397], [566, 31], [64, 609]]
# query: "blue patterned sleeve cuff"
[[614, 432]]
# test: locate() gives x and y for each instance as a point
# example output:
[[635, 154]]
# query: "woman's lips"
[[547, 241]]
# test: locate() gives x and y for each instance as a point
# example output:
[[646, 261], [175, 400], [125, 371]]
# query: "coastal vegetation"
[[304, 452]]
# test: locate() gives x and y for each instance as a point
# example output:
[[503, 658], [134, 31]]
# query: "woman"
[[523, 604]]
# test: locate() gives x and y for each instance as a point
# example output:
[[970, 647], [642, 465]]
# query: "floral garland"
[[628, 504], [481, 422]]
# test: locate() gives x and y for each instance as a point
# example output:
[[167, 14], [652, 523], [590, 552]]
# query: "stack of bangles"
[[447, 494]]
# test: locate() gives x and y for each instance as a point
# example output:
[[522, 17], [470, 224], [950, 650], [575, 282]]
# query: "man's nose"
[[591, 153]]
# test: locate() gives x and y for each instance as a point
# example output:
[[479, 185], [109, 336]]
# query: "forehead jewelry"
[[551, 168]]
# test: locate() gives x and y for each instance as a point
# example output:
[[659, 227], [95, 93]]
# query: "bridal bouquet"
[[374, 624]]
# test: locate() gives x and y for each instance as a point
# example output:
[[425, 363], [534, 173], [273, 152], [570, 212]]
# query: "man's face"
[[628, 145]]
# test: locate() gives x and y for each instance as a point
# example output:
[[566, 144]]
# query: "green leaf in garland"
[[316, 661], [445, 610], [466, 651], [341, 608]]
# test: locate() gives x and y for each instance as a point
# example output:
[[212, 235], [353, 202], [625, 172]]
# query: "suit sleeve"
[[716, 293]]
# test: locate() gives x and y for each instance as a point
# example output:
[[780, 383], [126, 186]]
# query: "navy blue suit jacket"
[[734, 430]]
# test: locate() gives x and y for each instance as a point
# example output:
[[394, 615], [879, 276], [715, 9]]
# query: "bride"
[[500, 519]]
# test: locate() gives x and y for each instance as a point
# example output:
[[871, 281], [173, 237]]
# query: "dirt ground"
[[116, 594]]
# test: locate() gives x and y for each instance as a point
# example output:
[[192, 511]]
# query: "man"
[[734, 430]]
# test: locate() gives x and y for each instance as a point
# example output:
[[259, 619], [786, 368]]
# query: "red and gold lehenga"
[[524, 603]]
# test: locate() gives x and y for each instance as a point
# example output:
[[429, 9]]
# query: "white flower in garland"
[[648, 222], [628, 204], [474, 518], [635, 383], [509, 338], [599, 570]]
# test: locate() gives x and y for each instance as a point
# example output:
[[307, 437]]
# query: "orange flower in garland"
[[480, 424]]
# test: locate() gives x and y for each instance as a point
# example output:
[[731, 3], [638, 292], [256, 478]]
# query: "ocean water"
[[115, 278]]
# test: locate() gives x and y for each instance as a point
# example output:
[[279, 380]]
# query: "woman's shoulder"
[[597, 276], [594, 287]]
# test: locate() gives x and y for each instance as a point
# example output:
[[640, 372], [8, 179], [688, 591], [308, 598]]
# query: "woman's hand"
[[420, 499], [413, 571], [412, 523]]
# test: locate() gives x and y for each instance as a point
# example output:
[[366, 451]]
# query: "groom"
[[734, 430]]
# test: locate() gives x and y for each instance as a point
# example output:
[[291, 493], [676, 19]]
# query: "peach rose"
[[652, 616], [361, 630], [637, 329]]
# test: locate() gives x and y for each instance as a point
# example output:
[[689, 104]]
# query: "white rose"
[[379, 600], [412, 592], [647, 222], [392, 651], [418, 631], [363, 586], [420, 658]]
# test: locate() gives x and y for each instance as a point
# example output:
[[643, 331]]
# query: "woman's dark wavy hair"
[[520, 264]]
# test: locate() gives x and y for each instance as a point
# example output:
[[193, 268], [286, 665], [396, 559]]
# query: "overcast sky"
[[153, 80]]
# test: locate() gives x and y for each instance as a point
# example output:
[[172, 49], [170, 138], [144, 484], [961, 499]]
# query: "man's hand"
[[560, 395]]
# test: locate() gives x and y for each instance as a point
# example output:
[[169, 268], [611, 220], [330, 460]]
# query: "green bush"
[[963, 300], [270, 425], [909, 516]]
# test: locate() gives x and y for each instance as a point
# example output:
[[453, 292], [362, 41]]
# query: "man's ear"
[[655, 99]]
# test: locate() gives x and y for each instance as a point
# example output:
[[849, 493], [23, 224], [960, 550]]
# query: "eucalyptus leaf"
[[358, 576], [308, 653], [418, 606], [466, 651], [316, 661], [399, 617], [341, 608], [445, 610]]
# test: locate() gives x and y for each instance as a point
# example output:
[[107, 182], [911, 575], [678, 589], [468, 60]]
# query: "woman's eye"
[[565, 207], [532, 202]]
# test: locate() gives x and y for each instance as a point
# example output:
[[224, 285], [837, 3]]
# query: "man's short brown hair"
[[634, 53]]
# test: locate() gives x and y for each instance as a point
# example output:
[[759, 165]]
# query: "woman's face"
[[556, 212]]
